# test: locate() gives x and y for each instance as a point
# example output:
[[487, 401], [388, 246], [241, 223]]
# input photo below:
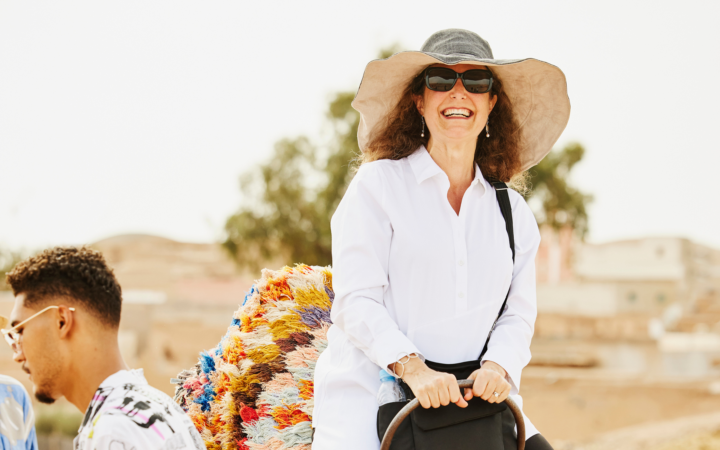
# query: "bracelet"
[[402, 363]]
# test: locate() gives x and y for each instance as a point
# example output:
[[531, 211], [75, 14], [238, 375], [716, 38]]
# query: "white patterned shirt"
[[127, 413]]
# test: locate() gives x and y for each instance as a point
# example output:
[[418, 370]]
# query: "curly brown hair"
[[77, 273], [499, 156]]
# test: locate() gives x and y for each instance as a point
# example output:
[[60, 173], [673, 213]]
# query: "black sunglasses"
[[442, 79]]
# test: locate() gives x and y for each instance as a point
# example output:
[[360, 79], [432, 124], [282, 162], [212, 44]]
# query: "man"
[[65, 334], [17, 422]]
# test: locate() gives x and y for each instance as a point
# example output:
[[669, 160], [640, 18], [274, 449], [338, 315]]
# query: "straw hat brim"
[[536, 89]]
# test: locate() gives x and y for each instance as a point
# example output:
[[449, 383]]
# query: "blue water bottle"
[[390, 390]]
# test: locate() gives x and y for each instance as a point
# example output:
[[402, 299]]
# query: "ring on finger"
[[496, 394]]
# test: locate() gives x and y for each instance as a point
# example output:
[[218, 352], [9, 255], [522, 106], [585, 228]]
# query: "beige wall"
[[646, 276], [646, 296], [642, 259], [175, 337], [626, 328], [578, 299]]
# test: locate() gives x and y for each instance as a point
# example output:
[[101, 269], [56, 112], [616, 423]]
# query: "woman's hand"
[[431, 388], [488, 380]]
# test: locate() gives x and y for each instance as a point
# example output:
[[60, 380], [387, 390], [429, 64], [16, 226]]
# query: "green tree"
[[292, 197], [560, 204], [294, 194]]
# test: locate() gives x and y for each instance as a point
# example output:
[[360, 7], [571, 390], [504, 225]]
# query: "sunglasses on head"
[[442, 79]]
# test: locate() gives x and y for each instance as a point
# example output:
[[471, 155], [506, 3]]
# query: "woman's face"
[[455, 115]]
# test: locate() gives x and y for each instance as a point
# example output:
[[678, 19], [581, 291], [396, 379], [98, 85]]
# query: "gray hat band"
[[449, 43], [456, 58]]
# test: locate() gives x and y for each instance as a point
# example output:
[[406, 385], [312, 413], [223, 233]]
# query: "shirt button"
[[461, 263], [461, 295]]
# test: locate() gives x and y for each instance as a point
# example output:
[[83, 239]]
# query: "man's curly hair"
[[77, 273]]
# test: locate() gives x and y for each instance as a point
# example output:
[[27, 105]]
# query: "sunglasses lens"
[[477, 81], [440, 79]]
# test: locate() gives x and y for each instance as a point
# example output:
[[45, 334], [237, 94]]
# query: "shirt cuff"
[[507, 358], [390, 347]]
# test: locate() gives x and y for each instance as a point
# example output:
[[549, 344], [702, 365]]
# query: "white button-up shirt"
[[412, 276]]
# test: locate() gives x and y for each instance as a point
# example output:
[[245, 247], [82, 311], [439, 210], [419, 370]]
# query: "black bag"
[[479, 426]]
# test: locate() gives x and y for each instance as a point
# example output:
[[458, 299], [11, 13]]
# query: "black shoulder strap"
[[506, 209], [504, 201]]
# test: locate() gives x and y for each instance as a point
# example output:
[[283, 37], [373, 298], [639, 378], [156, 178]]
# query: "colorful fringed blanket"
[[254, 391]]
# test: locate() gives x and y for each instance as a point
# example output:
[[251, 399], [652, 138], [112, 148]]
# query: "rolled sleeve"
[[361, 238], [509, 344]]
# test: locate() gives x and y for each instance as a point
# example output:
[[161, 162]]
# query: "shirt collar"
[[119, 378], [134, 376], [422, 164], [424, 167]]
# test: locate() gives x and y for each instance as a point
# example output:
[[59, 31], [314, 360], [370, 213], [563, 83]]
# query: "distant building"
[[649, 305], [642, 276]]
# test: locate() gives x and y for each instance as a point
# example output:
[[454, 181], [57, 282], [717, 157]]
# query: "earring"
[[487, 129], [422, 133]]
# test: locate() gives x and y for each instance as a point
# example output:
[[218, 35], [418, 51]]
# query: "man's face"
[[38, 347]]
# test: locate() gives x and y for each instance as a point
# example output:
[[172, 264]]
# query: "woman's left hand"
[[488, 380]]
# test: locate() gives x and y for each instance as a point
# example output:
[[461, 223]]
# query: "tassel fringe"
[[255, 390]]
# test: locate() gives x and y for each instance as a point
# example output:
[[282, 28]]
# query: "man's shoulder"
[[10, 387], [10, 384], [141, 432], [16, 418], [136, 415], [138, 402]]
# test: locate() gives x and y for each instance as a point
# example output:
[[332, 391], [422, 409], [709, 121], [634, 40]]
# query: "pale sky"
[[139, 116]]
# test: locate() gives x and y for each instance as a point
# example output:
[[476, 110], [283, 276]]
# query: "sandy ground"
[[703, 441], [601, 412], [687, 433]]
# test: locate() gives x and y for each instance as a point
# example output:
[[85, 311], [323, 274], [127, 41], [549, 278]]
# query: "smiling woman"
[[498, 158], [433, 255]]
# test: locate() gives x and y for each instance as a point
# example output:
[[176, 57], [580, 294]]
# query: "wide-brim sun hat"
[[536, 89]]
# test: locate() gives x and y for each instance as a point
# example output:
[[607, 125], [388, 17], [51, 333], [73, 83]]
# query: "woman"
[[420, 249]]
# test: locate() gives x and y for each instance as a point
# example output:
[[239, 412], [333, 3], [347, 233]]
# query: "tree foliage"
[[560, 204], [8, 260], [294, 194]]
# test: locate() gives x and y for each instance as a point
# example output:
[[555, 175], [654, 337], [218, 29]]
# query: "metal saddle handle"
[[407, 409]]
